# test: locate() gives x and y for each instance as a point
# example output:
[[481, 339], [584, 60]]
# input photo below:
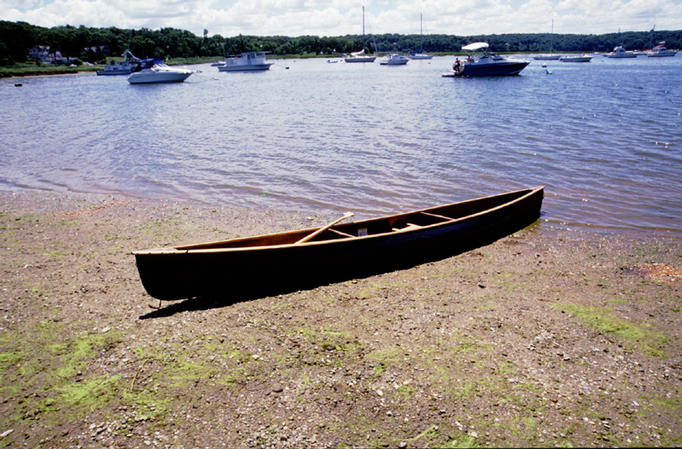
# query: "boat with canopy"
[[485, 63]]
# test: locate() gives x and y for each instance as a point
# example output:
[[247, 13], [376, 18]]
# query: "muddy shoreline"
[[549, 337]]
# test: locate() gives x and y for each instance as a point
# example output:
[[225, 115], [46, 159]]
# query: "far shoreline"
[[50, 70]]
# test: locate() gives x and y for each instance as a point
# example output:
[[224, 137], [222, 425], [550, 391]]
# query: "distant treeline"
[[95, 44]]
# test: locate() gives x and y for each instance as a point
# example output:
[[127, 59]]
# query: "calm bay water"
[[605, 138]]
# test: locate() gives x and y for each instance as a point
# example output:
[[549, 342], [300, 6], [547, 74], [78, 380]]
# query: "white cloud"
[[339, 17]]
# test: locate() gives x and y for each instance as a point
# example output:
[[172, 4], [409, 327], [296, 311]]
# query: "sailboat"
[[551, 56], [360, 56], [421, 54]]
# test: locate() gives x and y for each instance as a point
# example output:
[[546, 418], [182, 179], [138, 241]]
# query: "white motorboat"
[[420, 54], [360, 56], [575, 58], [246, 62], [155, 71], [125, 67], [620, 53], [486, 64], [395, 59], [660, 51]]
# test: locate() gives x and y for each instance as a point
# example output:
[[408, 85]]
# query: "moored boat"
[[394, 59], [289, 261], [620, 53], [251, 61], [485, 64], [125, 67], [576, 58], [660, 51], [360, 56], [551, 56], [419, 55], [155, 71]]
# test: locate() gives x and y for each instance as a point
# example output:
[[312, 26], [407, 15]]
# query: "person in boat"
[[457, 65]]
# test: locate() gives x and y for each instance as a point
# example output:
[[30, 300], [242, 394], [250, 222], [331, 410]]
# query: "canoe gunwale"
[[214, 247]]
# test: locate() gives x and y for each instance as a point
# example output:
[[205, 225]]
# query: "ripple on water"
[[603, 137]]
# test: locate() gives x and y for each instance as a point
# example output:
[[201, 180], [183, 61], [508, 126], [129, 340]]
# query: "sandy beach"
[[552, 336]]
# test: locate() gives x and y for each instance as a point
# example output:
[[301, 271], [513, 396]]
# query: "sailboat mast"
[[363, 28], [421, 34]]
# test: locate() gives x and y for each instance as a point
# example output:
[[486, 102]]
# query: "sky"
[[340, 17]]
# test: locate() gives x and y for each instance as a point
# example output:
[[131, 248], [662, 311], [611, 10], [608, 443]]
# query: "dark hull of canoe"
[[238, 275]]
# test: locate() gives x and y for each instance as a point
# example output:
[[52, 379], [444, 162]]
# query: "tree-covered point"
[[95, 44]]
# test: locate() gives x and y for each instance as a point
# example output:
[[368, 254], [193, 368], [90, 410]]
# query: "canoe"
[[251, 267]]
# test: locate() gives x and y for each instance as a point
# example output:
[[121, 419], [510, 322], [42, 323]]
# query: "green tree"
[[142, 46], [16, 39]]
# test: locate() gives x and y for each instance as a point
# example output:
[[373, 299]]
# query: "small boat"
[[288, 261], [576, 58], [125, 67], [659, 51], [155, 71], [360, 56], [620, 53], [395, 59], [251, 61], [486, 64], [418, 56]]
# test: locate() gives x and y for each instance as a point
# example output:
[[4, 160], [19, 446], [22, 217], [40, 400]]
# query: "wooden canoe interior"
[[388, 224]]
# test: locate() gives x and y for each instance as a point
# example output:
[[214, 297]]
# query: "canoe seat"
[[407, 228]]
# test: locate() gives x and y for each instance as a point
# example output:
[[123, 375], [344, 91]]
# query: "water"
[[605, 138]]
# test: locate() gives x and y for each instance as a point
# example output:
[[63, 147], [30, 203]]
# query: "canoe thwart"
[[324, 228], [442, 217], [336, 231]]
